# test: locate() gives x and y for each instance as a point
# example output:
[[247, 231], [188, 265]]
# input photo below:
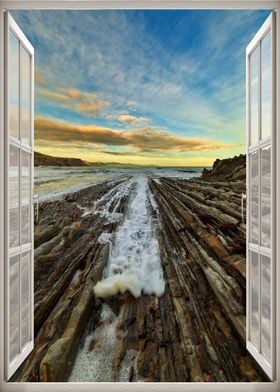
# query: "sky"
[[145, 87]]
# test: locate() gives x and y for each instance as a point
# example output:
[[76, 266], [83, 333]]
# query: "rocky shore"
[[195, 331]]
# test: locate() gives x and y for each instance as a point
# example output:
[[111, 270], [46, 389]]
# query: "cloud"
[[40, 79], [177, 68], [146, 139], [131, 105], [128, 119], [72, 98], [134, 120], [118, 153], [91, 108]]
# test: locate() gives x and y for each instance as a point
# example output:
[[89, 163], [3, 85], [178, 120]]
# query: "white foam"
[[104, 238], [116, 194], [153, 202], [103, 205], [114, 217], [96, 363], [157, 180], [119, 283], [127, 364], [134, 263]]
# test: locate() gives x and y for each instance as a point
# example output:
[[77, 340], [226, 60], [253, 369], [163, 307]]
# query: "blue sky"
[[147, 87]]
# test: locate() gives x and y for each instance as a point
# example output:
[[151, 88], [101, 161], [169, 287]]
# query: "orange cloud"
[[129, 119], [75, 99], [144, 139]]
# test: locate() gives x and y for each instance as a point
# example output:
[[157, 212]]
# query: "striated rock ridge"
[[194, 332], [69, 260], [230, 169]]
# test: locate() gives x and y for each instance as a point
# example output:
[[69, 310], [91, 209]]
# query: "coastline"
[[201, 239]]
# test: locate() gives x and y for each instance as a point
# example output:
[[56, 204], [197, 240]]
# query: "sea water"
[[54, 182]]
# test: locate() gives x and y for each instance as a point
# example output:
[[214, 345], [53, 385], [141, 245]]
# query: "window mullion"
[[20, 193], [260, 196]]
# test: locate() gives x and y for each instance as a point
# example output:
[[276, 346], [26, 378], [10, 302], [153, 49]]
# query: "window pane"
[[254, 198], [13, 86], [254, 96], [25, 298], [14, 196], [14, 307], [25, 198], [254, 296], [266, 308], [266, 87], [25, 96], [266, 196]]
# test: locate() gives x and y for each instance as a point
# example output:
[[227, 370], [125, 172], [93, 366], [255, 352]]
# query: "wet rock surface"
[[195, 331], [66, 267]]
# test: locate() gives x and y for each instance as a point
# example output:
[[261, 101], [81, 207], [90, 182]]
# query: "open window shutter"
[[260, 56], [19, 69]]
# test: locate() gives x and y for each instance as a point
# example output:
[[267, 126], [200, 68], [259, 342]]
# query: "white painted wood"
[[140, 4], [122, 387], [2, 194], [267, 365], [23, 350], [140, 387]]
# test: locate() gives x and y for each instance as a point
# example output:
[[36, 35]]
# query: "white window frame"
[[257, 147], [140, 4], [12, 27]]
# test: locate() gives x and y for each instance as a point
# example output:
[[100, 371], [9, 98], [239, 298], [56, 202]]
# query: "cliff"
[[47, 160], [227, 169]]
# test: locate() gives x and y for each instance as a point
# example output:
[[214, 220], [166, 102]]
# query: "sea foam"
[[119, 283], [134, 264], [94, 361]]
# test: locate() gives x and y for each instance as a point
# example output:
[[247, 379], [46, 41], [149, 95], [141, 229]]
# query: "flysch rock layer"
[[194, 332]]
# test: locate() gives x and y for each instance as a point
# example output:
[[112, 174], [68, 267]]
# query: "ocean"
[[53, 182]]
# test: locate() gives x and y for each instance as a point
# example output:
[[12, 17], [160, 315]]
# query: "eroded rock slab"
[[194, 331]]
